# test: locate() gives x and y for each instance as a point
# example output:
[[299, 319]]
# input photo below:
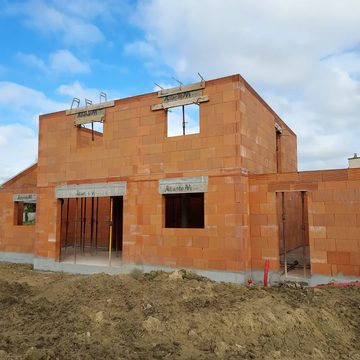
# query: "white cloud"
[[90, 9], [15, 96], [19, 145], [140, 48], [80, 91], [62, 61], [32, 60], [297, 55], [73, 29], [65, 61], [20, 107]]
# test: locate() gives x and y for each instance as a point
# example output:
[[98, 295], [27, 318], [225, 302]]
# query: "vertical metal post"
[[183, 112], [61, 224], [92, 225], [84, 225], [67, 227], [96, 224], [111, 226], [76, 220], [303, 229], [81, 226], [116, 225], [284, 231], [92, 134]]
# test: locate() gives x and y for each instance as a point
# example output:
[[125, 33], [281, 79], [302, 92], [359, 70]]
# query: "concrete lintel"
[[91, 190], [102, 105], [184, 185], [24, 197], [181, 89]]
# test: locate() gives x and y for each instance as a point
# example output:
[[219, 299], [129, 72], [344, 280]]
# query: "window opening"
[[183, 120], [278, 152], [25, 213], [184, 211]]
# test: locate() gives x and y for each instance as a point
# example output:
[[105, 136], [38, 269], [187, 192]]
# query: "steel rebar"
[[76, 220]]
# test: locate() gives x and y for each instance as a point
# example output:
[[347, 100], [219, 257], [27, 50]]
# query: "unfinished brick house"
[[222, 201]]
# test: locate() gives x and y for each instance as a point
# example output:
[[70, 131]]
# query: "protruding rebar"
[[303, 230], [96, 224], [76, 220], [84, 238], [67, 227], [111, 227], [92, 225], [284, 231], [81, 225]]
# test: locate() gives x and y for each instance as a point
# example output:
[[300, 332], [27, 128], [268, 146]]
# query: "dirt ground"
[[171, 316]]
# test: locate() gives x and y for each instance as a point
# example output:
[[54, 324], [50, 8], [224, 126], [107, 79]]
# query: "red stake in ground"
[[266, 272]]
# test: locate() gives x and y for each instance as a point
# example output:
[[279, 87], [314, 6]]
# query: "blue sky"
[[301, 56]]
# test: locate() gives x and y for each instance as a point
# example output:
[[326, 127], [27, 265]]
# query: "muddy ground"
[[181, 316]]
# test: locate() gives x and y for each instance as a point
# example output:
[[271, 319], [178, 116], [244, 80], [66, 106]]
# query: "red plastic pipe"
[[334, 285], [266, 272]]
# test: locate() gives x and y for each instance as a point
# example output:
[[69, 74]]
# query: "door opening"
[[293, 234]]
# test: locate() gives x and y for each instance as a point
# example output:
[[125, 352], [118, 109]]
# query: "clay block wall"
[[264, 227], [222, 245], [14, 238], [237, 134], [334, 219], [258, 136]]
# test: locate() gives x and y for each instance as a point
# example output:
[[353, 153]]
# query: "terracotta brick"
[[355, 258], [344, 195], [257, 264], [342, 220], [317, 232], [217, 264], [318, 208], [347, 245], [269, 230], [270, 254], [211, 253], [322, 196], [185, 263], [338, 258], [318, 257], [324, 244], [235, 266], [323, 219], [321, 269], [333, 232], [193, 252], [201, 264], [259, 242], [348, 270], [179, 252], [353, 207], [258, 220]]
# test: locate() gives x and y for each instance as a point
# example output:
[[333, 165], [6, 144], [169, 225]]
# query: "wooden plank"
[[89, 119], [172, 104], [180, 89], [102, 105]]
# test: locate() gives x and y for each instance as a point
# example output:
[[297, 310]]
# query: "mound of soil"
[[45, 316]]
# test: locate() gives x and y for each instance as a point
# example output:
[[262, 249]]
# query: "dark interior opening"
[[117, 224], [184, 211]]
